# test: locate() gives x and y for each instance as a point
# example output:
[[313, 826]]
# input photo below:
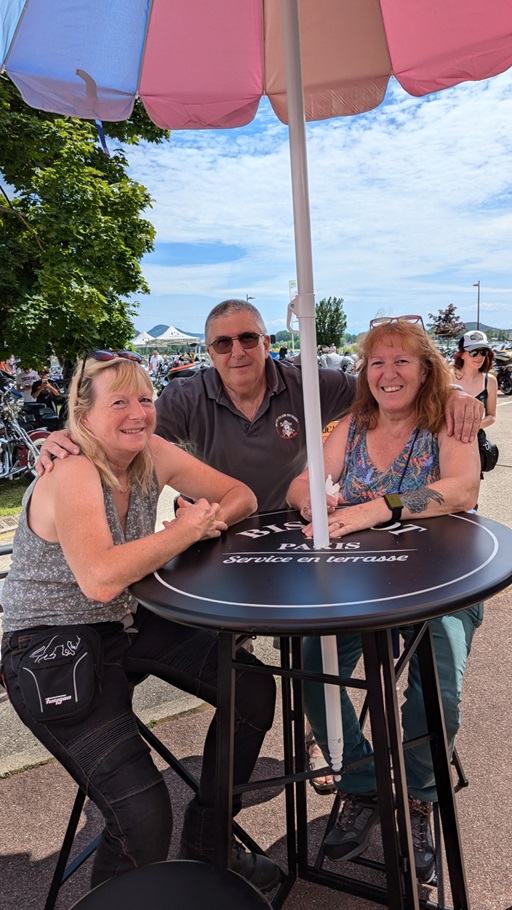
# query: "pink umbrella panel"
[[198, 65]]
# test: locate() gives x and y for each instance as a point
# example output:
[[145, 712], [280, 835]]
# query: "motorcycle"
[[182, 371], [503, 370], [19, 441]]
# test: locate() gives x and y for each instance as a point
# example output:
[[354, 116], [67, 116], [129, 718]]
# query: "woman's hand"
[[200, 516], [305, 510], [353, 518]]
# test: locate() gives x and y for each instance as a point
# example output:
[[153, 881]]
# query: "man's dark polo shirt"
[[197, 414]]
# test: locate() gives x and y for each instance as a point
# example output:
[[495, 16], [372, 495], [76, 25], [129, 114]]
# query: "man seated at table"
[[393, 459]]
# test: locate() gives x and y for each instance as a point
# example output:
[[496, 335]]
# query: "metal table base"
[[401, 891]]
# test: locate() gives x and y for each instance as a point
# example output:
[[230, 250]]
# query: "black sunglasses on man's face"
[[224, 344]]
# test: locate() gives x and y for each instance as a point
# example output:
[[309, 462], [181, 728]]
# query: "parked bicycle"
[[20, 441]]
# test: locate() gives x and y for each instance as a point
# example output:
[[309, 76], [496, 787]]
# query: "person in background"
[[86, 533], [392, 454], [330, 357], [246, 412], [471, 370], [44, 392], [7, 365], [25, 378], [155, 362]]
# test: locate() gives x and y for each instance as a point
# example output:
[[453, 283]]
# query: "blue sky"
[[411, 204]]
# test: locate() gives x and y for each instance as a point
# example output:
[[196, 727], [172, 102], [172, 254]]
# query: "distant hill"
[[471, 326], [158, 330]]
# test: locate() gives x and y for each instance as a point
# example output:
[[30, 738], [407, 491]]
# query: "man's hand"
[[59, 445], [463, 416]]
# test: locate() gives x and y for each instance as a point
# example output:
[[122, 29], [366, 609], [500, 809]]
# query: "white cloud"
[[410, 205]]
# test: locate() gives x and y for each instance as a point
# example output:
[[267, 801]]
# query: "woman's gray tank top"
[[41, 590]]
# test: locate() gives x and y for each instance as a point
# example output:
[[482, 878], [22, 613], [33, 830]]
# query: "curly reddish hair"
[[432, 397]]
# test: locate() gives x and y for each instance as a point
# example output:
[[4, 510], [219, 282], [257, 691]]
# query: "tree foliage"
[[331, 321], [71, 232], [446, 324]]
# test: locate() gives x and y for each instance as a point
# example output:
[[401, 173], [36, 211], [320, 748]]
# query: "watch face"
[[394, 501]]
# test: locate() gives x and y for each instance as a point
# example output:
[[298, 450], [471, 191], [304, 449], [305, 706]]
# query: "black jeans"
[[105, 753]]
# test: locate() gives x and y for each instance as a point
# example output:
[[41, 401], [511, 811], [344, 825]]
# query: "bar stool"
[[163, 886], [65, 869]]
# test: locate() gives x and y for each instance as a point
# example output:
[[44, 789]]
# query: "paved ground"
[[35, 803]]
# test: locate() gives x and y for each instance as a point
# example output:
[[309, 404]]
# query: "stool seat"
[[165, 886]]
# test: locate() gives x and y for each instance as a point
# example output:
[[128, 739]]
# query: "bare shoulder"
[[167, 458], [341, 428], [449, 445], [68, 473], [161, 448]]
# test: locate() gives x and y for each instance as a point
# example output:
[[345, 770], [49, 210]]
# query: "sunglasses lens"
[[224, 345], [249, 339], [101, 355], [130, 355]]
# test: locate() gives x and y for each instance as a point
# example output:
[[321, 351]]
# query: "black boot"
[[198, 842]]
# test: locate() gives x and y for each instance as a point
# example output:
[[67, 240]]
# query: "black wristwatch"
[[396, 505]]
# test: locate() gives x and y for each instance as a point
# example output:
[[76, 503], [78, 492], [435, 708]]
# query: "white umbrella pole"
[[304, 308], [332, 704]]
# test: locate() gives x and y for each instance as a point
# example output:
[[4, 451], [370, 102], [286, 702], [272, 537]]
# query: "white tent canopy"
[[143, 340], [175, 336]]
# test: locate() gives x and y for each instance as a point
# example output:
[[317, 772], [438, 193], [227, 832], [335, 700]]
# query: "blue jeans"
[[452, 636], [105, 753]]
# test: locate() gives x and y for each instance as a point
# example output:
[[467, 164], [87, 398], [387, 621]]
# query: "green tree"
[[71, 232], [331, 321], [446, 324]]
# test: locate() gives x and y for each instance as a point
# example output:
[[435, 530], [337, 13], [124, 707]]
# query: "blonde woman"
[[85, 534]]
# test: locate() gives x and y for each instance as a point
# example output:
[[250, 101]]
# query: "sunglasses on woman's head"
[[384, 320], [104, 356], [478, 352], [224, 344]]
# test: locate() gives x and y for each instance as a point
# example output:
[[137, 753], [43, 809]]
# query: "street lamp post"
[[249, 298], [477, 285]]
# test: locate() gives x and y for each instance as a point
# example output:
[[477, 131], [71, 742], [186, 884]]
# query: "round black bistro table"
[[264, 577]]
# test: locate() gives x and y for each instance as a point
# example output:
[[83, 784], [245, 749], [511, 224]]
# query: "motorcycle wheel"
[[505, 385], [37, 437]]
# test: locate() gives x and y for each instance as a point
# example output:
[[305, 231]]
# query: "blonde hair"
[[126, 375], [433, 394]]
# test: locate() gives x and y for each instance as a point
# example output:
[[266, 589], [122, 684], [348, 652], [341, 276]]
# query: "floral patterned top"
[[415, 466]]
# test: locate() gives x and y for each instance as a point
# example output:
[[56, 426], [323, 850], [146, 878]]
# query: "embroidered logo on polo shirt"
[[287, 426]]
